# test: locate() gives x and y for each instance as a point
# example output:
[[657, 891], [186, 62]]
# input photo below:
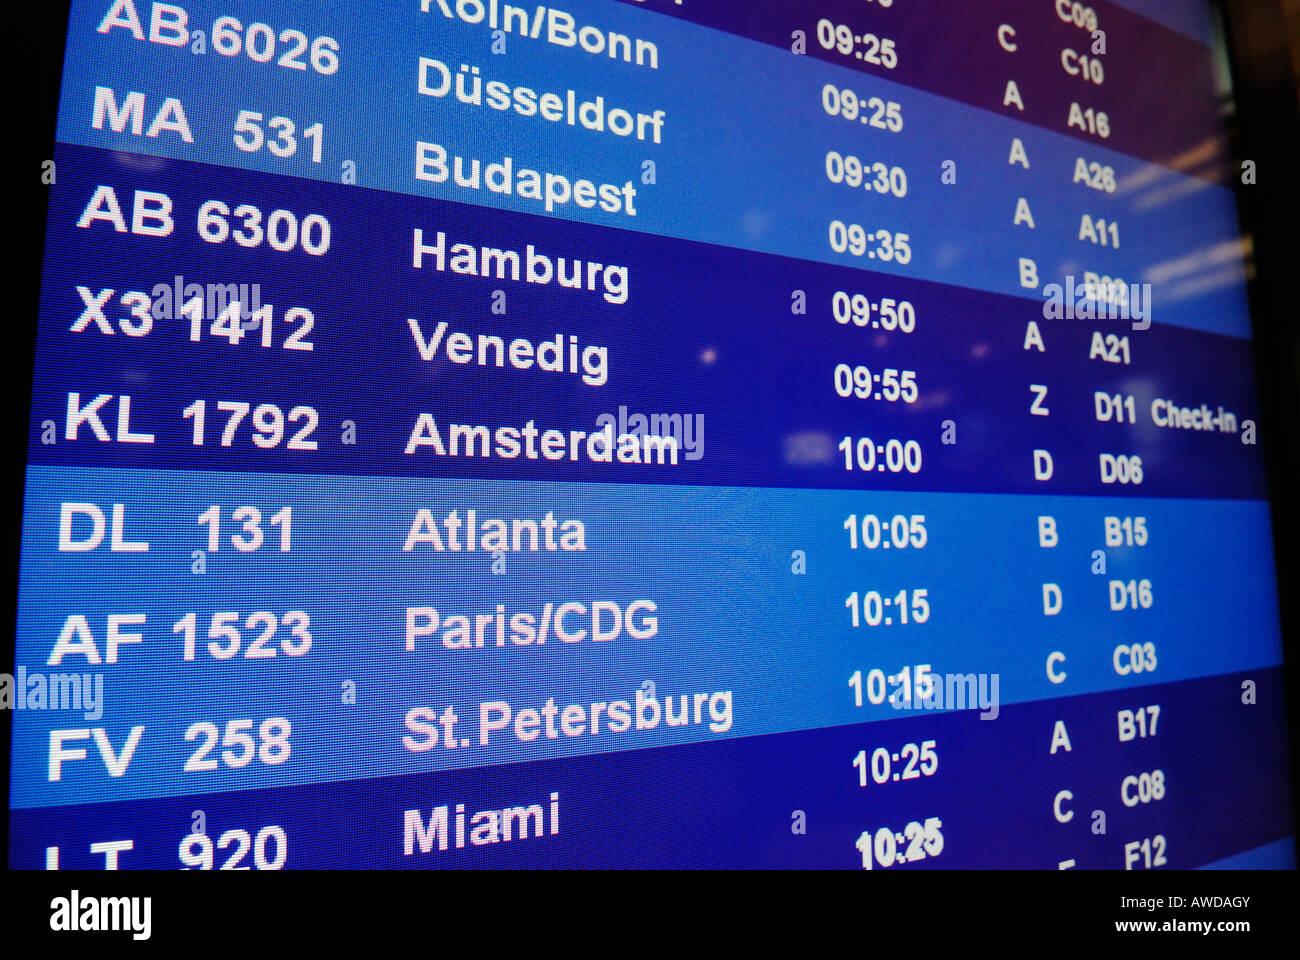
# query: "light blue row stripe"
[[742, 164], [717, 562]]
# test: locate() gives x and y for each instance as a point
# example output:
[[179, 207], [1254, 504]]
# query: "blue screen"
[[645, 434]]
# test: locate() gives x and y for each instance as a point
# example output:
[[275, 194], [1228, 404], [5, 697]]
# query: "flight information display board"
[[645, 434]]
